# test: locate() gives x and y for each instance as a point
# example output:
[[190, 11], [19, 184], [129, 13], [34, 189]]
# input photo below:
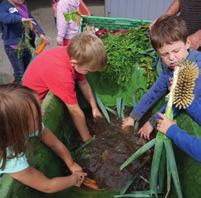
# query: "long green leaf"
[[85, 144], [138, 153], [162, 171], [155, 163], [173, 167], [103, 108], [168, 179], [111, 110], [131, 179]]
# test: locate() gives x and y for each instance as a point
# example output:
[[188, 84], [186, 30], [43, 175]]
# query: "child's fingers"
[[161, 116]]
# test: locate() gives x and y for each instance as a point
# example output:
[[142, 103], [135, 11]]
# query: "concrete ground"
[[42, 11]]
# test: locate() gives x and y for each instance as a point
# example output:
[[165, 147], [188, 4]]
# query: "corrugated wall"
[[137, 9]]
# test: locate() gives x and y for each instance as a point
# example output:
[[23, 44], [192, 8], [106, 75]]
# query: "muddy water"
[[102, 158]]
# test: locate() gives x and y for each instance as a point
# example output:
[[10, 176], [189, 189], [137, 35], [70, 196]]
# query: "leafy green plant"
[[163, 146], [124, 52]]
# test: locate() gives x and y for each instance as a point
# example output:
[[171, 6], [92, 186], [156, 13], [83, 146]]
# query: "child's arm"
[[7, 18], [37, 180], [158, 89], [87, 92], [59, 148], [173, 8], [39, 31], [186, 142], [79, 121]]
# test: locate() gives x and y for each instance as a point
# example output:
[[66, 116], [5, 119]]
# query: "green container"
[[104, 87], [110, 23]]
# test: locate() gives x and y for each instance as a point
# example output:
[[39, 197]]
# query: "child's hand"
[[163, 123], [127, 122], [59, 41], [75, 168], [79, 178], [96, 113], [43, 37], [26, 19], [146, 130]]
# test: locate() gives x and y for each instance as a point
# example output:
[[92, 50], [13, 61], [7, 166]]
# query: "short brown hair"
[[88, 50], [16, 112], [168, 29]]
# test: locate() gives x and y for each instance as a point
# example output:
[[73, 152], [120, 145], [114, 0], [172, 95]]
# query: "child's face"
[[173, 53], [81, 70], [18, 2]]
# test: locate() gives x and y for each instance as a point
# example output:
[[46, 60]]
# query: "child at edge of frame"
[[169, 37]]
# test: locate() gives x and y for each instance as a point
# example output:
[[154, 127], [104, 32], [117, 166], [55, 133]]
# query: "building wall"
[[137, 9]]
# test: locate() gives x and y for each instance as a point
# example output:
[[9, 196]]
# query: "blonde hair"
[[17, 104], [88, 50]]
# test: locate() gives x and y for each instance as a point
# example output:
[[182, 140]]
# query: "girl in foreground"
[[20, 118]]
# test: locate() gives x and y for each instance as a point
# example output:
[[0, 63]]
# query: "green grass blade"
[[161, 178], [111, 110], [173, 167], [103, 108], [84, 145], [137, 194], [168, 180], [155, 163], [119, 106], [131, 179], [138, 153]]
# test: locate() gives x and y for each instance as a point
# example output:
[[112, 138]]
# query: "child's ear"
[[73, 62], [188, 43]]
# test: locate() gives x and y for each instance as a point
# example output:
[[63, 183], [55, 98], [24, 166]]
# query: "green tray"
[[110, 23]]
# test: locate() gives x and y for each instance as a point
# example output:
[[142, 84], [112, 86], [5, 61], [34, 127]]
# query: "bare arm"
[[173, 8], [87, 92], [79, 121], [60, 149], [37, 180]]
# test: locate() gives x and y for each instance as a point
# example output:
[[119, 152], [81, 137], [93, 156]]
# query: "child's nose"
[[171, 57]]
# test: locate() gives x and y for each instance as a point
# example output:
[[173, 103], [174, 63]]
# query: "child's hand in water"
[[146, 130], [75, 168], [127, 122]]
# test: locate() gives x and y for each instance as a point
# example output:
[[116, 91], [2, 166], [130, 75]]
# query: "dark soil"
[[102, 158]]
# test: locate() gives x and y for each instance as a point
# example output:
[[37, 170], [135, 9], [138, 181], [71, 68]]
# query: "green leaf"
[[156, 163], [103, 108], [162, 171], [84, 145], [173, 167], [131, 179], [138, 153]]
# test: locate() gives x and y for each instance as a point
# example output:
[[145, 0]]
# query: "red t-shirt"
[[52, 71]]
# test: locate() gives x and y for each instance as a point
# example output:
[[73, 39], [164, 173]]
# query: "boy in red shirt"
[[57, 69]]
